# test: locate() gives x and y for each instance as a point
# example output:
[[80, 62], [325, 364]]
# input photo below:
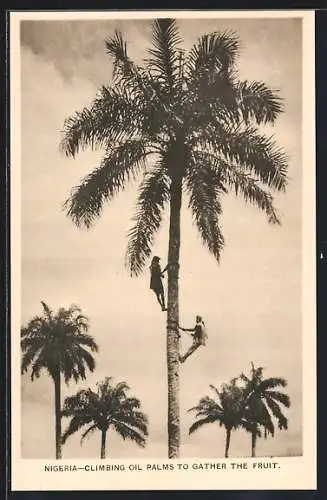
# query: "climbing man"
[[199, 337], [156, 281]]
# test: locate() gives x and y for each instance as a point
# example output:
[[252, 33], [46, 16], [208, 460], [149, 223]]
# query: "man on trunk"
[[156, 281], [199, 337]]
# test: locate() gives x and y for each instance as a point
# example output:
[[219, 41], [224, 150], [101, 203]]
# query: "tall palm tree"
[[108, 407], [184, 122], [226, 410], [262, 404], [59, 343]]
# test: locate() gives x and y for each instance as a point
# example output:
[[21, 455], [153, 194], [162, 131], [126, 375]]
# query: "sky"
[[251, 302]]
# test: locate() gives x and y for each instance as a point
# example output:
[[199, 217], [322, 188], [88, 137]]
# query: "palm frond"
[[77, 403], [205, 190], [27, 359], [279, 396], [79, 131], [165, 56], [276, 411], [131, 404], [111, 117], [153, 194], [213, 52], [272, 382], [74, 425], [261, 155], [282, 423], [207, 406], [127, 75], [119, 390], [86, 201], [39, 363], [269, 428], [255, 153], [264, 419], [88, 431], [128, 432], [117, 48], [259, 103], [75, 361], [244, 378], [125, 70], [30, 348], [84, 339], [47, 311], [135, 420], [215, 390], [251, 191], [34, 328], [85, 357], [240, 182], [210, 419]]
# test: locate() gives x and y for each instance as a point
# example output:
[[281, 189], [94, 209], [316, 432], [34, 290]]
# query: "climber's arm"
[[165, 269], [187, 329]]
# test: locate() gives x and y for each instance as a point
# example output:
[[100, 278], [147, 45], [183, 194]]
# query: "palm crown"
[[262, 400], [226, 409], [108, 407], [58, 343], [180, 117]]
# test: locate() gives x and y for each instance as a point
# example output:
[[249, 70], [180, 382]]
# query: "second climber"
[[156, 281]]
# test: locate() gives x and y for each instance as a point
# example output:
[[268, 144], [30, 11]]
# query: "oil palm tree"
[[183, 123], [262, 404], [226, 410], [59, 344], [108, 407]]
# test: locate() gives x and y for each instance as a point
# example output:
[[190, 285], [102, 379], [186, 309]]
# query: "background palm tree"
[[59, 343], [108, 407], [262, 404], [226, 410], [185, 122]]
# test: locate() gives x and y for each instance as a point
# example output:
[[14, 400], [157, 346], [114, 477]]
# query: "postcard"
[[163, 308]]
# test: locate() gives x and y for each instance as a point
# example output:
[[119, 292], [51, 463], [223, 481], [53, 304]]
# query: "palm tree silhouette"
[[226, 410], [262, 404], [58, 343], [183, 122], [108, 407]]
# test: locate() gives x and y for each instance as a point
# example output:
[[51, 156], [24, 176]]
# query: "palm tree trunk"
[[253, 442], [56, 380], [228, 435], [173, 320], [103, 443]]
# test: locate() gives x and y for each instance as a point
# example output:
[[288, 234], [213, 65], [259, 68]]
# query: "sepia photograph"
[[159, 307]]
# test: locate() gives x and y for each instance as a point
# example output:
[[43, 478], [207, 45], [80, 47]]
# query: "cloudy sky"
[[251, 302]]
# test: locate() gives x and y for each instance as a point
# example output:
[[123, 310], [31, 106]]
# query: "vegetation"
[[249, 403], [262, 401], [58, 343], [108, 407]]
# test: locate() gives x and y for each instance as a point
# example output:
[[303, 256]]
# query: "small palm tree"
[[187, 126], [58, 343], [262, 404], [226, 410], [108, 407]]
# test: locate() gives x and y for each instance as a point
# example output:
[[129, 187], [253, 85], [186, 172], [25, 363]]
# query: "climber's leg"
[[190, 351], [158, 295], [162, 298]]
